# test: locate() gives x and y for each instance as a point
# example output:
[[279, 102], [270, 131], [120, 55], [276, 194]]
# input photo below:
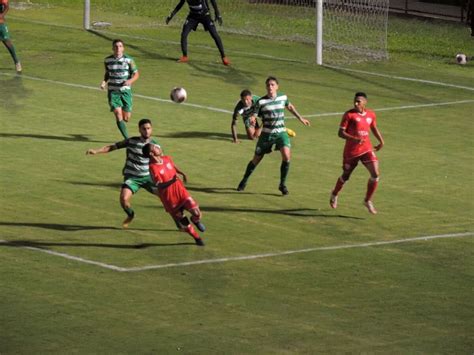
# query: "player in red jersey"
[[171, 191], [355, 128]]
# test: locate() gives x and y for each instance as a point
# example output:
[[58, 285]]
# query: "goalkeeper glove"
[[219, 20], [168, 19]]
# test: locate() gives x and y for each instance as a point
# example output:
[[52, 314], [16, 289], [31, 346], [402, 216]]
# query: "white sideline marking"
[[243, 257], [396, 108], [215, 109]]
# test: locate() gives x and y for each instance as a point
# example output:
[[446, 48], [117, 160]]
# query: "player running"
[[199, 13], [5, 35], [271, 109], [355, 127], [135, 172], [120, 73], [171, 191]]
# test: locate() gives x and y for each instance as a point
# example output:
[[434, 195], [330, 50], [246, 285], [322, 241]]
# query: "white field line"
[[402, 78], [396, 108], [215, 109], [243, 257], [253, 55]]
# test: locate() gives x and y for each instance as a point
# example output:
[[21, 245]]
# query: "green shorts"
[[266, 142], [134, 184], [4, 34], [121, 99]]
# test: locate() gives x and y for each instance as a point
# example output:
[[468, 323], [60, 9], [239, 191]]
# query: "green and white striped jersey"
[[119, 70], [136, 165], [272, 113], [244, 111]]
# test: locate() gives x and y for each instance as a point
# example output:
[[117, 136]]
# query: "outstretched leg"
[[249, 170], [125, 197]]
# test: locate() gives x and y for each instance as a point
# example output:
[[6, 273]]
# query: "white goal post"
[[341, 31]]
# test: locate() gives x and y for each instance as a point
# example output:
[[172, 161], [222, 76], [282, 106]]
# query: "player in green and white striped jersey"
[[136, 170], [271, 109], [245, 107], [120, 73]]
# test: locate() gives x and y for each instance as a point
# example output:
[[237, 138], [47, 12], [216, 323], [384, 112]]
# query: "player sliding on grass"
[[171, 191], [5, 35], [120, 73], [135, 172], [199, 13], [355, 127], [271, 109], [245, 107]]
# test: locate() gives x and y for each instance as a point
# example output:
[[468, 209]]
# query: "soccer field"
[[278, 274]]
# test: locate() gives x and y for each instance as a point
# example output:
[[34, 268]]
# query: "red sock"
[[371, 187], [192, 232], [339, 184]]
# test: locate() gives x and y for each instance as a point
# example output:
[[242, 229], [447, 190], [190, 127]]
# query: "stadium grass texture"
[[401, 298]]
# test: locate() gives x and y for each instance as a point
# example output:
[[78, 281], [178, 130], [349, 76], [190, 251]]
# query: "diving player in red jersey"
[[171, 191], [355, 128]]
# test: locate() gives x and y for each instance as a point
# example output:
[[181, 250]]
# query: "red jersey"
[[3, 2], [172, 194], [358, 125]]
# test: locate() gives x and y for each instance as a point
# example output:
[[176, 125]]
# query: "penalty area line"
[[243, 257], [215, 109]]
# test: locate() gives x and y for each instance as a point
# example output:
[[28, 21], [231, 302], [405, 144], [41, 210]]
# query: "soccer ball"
[[461, 58], [178, 95]]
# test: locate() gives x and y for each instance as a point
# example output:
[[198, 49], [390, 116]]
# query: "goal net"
[[352, 30]]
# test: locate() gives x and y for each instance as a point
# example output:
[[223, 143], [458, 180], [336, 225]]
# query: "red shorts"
[[351, 162], [175, 197]]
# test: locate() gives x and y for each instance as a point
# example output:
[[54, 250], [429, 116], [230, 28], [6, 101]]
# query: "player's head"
[[145, 128], [360, 100], [246, 97], [117, 47], [151, 150], [272, 85]]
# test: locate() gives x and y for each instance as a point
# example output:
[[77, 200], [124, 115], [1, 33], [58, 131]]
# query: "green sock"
[[284, 169], [129, 211], [122, 128], [250, 168], [12, 51]]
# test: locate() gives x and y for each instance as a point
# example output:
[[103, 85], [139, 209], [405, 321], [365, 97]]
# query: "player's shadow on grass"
[[146, 53], [11, 90], [112, 185], [295, 212], [203, 135], [45, 245], [66, 227], [68, 138]]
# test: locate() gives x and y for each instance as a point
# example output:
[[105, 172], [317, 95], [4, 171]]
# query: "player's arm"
[[218, 17], [295, 113], [6, 7], [104, 82], [134, 77], [183, 175], [379, 137], [233, 125], [175, 11], [107, 148]]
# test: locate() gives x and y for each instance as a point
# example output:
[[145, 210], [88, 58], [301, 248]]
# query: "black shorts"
[[192, 22]]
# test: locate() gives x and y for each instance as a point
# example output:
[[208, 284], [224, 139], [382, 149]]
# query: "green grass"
[[413, 297]]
